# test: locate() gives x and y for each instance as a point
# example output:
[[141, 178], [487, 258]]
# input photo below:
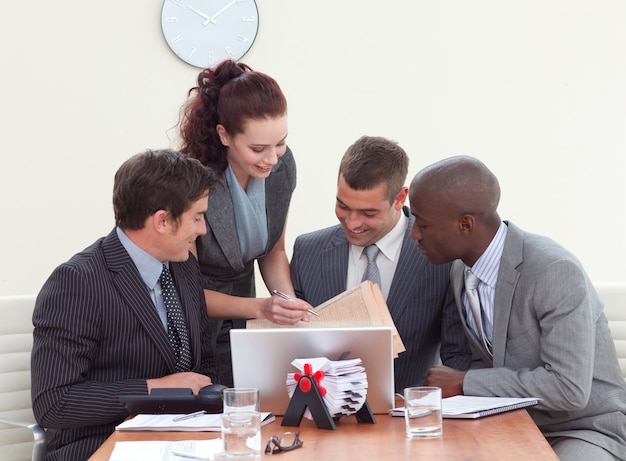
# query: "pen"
[[284, 296], [190, 415], [184, 454]]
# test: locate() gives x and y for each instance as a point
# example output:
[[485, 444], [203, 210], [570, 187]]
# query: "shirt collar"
[[487, 266], [148, 266]]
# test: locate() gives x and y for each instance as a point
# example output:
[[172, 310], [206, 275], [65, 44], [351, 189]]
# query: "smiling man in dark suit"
[[370, 208], [101, 320]]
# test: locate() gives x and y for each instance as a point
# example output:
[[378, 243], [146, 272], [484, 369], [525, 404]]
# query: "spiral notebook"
[[472, 407]]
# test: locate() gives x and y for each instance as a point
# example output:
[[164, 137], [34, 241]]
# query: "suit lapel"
[[406, 273], [132, 289], [221, 220], [512, 257], [334, 263]]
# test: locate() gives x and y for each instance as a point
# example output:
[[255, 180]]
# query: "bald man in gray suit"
[[370, 209], [538, 329]]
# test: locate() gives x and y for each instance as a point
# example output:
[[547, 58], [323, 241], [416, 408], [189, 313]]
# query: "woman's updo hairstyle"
[[229, 95]]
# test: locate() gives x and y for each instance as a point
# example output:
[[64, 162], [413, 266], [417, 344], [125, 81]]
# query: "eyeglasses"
[[286, 442]]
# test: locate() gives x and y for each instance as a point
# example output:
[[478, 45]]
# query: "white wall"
[[536, 89]]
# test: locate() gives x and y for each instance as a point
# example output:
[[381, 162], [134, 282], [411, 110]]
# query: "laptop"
[[262, 358]]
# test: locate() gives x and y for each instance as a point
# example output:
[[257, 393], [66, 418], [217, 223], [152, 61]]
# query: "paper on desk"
[[475, 407], [163, 451], [345, 382], [470, 407], [165, 422]]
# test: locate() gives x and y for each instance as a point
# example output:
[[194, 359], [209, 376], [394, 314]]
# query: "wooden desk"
[[511, 435]]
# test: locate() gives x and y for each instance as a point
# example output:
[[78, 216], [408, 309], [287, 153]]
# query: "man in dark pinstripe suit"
[[100, 322], [370, 208]]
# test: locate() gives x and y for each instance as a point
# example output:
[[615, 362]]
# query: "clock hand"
[[212, 18], [200, 13]]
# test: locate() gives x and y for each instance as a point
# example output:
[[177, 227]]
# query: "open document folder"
[[361, 306]]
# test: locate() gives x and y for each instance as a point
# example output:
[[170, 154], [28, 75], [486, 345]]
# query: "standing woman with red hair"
[[235, 122]]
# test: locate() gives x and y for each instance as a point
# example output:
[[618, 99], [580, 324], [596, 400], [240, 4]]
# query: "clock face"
[[205, 32]]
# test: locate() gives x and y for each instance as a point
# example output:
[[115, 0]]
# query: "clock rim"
[[251, 44]]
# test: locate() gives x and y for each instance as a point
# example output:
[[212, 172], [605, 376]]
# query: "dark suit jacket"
[[550, 340], [97, 335], [419, 302], [222, 265]]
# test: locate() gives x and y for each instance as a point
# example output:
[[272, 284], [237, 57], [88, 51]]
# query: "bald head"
[[455, 203], [460, 185]]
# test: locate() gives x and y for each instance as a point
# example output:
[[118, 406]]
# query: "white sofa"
[[613, 295], [21, 438]]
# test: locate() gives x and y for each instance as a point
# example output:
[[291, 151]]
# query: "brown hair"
[[371, 161], [230, 95], [158, 180]]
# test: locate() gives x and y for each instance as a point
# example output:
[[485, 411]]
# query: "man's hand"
[[188, 379], [448, 379]]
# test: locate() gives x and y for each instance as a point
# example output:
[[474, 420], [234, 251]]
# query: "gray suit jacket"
[[98, 335], [550, 340], [419, 301], [221, 263]]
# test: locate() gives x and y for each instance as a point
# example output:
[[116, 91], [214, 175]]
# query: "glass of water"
[[241, 424], [423, 412]]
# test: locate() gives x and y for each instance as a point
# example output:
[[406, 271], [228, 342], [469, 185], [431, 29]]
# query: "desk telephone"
[[175, 400]]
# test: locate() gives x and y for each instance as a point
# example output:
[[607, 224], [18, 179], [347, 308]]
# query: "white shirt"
[[387, 261]]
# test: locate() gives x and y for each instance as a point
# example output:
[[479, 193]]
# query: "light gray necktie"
[[471, 291], [176, 326], [371, 271]]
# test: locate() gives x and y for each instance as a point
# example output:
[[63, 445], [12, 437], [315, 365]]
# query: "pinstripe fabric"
[[419, 301], [97, 334]]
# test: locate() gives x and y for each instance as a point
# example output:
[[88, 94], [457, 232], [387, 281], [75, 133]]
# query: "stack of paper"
[[345, 382]]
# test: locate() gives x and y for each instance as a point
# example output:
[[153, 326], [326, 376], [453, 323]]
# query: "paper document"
[[345, 382], [166, 451], [165, 422], [361, 306], [472, 407]]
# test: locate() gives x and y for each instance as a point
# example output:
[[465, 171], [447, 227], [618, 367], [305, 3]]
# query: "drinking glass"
[[241, 424], [423, 412]]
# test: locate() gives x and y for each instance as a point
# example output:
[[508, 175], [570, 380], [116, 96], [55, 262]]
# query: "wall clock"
[[204, 32]]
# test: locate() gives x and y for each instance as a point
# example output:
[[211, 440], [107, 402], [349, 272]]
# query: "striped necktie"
[[471, 291]]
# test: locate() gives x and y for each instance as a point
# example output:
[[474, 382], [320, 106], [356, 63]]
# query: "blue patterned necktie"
[[371, 271], [176, 326]]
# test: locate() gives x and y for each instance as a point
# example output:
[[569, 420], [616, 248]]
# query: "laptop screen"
[[262, 358]]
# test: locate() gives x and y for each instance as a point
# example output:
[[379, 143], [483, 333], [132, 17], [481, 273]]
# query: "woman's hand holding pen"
[[282, 311]]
